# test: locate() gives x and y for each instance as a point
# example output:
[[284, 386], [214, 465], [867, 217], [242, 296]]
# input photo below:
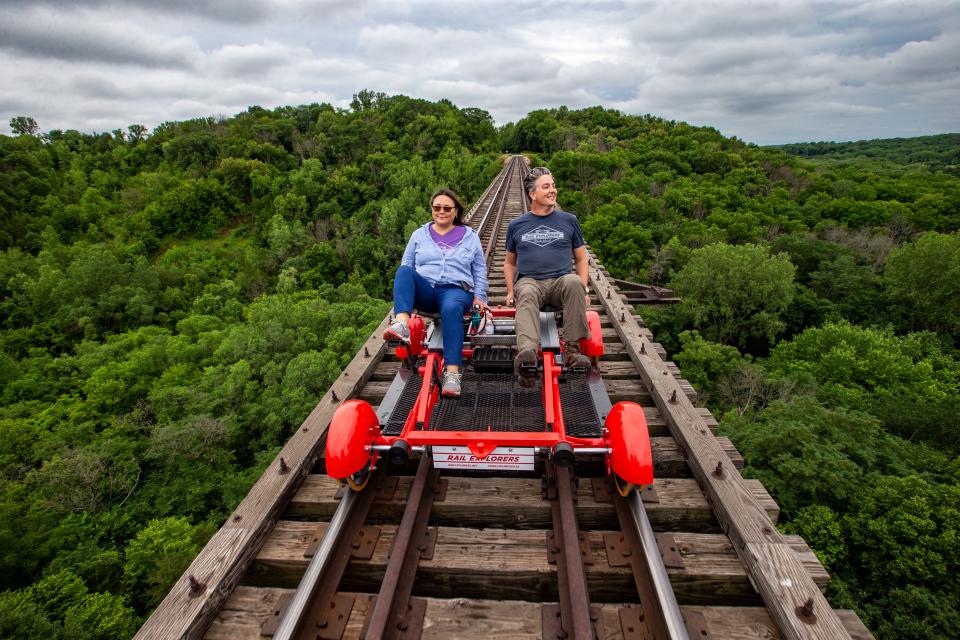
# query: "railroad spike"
[[673, 397], [719, 470], [196, 587], [333, 394], [366, 352], [283, 466], [805, 612]]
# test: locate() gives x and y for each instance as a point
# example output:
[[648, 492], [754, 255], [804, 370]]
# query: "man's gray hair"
[[531, 178]]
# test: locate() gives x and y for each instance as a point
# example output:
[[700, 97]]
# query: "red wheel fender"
[[418, 333], [630, 454], [352, 430], [592, 346]]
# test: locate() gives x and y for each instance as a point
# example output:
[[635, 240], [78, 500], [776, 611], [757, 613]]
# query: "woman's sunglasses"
[[446, 208]]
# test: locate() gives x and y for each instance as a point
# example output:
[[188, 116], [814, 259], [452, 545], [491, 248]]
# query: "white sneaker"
[[451, 384], [397, 332]]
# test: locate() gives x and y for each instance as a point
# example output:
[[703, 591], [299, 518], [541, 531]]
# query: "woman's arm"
[[410, 253], [479, 267]]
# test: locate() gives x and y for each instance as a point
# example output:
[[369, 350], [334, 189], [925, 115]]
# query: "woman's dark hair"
[[458, 219]]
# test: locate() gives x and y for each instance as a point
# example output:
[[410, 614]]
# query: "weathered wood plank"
[[616, 349], [509, 564], [224, 559], [518, 502], [792, 588], [738, 511], [458, 618]]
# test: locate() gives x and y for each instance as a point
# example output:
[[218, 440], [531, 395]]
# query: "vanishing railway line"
[[536, 555]]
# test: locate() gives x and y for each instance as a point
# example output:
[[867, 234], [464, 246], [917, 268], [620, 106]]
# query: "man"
[[546, 263]]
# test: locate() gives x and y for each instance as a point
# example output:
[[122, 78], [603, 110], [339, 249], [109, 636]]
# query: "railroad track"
[[551, 555]]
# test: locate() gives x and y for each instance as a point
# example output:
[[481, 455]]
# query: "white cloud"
[[764, 71], [87, 36], [254, 59]]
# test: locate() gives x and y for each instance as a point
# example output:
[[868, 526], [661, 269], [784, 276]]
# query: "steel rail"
[[496, 196], [393, 606], [468, 217], [494, 237], [663, 590], [331, 558], [575, 617]]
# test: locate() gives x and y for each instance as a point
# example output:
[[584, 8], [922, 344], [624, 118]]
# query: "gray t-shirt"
[[544, 244]]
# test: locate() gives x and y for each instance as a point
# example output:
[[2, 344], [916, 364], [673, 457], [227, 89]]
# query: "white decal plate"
[[500, 459]]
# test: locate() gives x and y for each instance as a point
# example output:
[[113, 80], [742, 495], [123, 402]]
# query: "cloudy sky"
[[767, 72]]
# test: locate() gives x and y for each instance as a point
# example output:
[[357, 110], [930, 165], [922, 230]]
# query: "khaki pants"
[[566, 291]]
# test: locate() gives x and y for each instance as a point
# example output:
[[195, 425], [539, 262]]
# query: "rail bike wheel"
[[358, 480]]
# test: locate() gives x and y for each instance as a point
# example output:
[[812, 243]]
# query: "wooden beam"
[[512, 564], [461, 618], [518, 502]]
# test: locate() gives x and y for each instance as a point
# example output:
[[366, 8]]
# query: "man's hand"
[[510, 300], [477, 302]]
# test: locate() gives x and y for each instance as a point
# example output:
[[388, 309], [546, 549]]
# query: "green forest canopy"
[[173, 303]]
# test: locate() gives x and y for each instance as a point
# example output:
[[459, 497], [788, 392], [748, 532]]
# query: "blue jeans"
[[413, 291]]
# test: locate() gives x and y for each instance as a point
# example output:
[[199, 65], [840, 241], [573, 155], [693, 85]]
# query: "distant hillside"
[[940, 152]]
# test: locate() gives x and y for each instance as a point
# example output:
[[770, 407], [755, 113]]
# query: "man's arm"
[[580, 264], [582, 267], [510, 274]]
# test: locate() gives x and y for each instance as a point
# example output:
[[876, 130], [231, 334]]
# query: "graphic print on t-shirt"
[[542, 236]]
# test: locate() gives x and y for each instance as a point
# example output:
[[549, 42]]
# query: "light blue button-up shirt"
[[464, 264]]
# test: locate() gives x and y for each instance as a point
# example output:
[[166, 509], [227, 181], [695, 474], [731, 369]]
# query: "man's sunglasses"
[[446, 208]]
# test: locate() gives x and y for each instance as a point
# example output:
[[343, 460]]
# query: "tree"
[[706, 363], [907, 382], [621, 244], [157, 556], [100, 616], [922, 277], [808, 454], [136, 132], [24, 126], [735, 294], [904, 548]]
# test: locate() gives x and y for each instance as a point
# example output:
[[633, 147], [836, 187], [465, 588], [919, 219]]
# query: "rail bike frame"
[[355, 440]]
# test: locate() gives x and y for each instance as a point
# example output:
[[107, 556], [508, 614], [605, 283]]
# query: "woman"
[[443, 269]]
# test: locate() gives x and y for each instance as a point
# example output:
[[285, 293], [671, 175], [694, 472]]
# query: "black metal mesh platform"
[[495, 402], [490, 401], [579, 412], [408, 398]]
